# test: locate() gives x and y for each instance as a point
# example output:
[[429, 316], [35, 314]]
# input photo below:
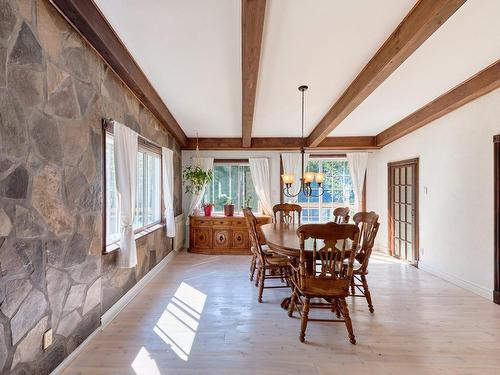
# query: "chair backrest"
[[332, 244], [341, 215], [368, 225], [287, 213], [255, 243]]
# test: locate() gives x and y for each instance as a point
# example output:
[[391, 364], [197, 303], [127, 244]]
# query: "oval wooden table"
[[283, 240]]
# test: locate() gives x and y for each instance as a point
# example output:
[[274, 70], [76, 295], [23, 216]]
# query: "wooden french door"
[[403, 210]]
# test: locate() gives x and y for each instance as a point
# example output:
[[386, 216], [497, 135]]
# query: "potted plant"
[[195, 179], [228, 207], [246, 203], [207, 207]]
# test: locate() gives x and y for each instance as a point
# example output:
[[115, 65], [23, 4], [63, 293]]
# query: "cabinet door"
[[201, 238], [240, 239], [222, 238]]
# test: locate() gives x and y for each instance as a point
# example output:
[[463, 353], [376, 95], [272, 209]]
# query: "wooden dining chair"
[[368, 225], [268, 264], [331, 280], [253, 262], [287, 213], [341, 215]]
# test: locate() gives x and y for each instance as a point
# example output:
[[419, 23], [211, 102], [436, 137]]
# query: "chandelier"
[[307, 177]]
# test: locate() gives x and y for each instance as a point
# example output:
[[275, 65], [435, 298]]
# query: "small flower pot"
[[208, 210], [229, 210]]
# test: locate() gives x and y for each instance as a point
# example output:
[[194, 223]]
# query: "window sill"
[[114, 246]]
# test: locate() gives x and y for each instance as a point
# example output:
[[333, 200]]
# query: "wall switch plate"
[[47, 339]]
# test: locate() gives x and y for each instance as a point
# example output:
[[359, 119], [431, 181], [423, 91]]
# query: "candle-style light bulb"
[[308, 177], [287, 179], [320, 177]]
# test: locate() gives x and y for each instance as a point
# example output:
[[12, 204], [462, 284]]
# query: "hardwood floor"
[[200, 315]]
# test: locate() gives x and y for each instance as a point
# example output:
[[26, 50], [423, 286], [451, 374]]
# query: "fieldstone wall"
[[54, 91]]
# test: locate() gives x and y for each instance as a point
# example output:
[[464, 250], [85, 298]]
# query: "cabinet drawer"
[[240, 223], [202, 222], [222, 222]]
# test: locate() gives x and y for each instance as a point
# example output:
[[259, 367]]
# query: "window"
[[148, 204], [338, 190], [148, 191], [231, 180], [112, 217]]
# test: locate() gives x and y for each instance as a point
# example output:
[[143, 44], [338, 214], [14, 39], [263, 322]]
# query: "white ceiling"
[[465, 44], [190, 50], [323, 44]]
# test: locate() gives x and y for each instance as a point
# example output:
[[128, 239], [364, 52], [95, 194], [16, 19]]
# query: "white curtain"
[[195, 200], [259, 169], [168, 189], [125, 153], [357, 167], [292, 164]]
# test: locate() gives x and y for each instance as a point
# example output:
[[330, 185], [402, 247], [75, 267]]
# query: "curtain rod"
[[107, 124]]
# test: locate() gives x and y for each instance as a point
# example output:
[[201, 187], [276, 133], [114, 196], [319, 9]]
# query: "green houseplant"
[[247, 203], [195, 178]]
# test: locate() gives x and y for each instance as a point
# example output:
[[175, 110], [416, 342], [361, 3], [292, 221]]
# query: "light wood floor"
[[201, 316]]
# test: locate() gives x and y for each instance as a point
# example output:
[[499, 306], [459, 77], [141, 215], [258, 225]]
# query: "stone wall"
[[54, 90]]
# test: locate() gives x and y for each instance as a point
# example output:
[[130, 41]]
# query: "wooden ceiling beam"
[[87, 19], [420, 23], [282, 143], [252, 26], [478, 85]]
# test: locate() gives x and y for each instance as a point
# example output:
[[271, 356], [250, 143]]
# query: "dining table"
[[282, 239]]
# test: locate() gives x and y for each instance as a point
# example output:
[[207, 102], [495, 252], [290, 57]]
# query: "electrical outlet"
[[47, 339]]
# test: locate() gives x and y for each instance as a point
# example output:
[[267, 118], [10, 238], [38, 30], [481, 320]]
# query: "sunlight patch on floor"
[[179, 322], [143, 364]]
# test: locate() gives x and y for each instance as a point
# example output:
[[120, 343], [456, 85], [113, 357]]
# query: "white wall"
[[456, 214]]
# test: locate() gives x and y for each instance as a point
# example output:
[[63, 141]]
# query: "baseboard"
[[114, 310], [70, 358], [109, 315], [178, 241], [467, 285]]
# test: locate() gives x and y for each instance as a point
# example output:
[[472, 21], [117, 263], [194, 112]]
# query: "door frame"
[[496, 218], [390, 226]]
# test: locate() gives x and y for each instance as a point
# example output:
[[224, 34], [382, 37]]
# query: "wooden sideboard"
[[221, 234]]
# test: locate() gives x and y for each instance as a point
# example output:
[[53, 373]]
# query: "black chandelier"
[[307, 177]]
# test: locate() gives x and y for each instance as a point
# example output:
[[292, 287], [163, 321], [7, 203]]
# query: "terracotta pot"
[[229, 209], [208, 210]]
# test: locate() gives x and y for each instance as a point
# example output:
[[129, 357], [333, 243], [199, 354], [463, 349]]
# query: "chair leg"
[[261, 282], [336, 307], [252, 266], [367, 293], [353, 288], [293, 298], [347, 318], [257, 277], [305, 317]]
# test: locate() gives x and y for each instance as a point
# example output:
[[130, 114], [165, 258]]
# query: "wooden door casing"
[[403, 209]]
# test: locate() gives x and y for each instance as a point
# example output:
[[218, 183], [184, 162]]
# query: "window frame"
[[144, 145], [232, 163], [147, 150], [320, 158]]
